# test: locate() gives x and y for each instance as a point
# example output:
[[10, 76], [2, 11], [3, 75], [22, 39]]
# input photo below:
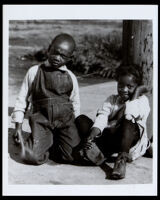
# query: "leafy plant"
[[97, 53]]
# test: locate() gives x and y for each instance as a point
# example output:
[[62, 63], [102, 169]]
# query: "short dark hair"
[[63, 36], [131, 69]]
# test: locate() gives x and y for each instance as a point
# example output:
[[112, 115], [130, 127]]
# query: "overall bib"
[[52, 124]]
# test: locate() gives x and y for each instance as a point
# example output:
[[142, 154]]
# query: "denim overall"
[[54, 132]]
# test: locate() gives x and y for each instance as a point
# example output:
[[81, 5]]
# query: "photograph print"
[[80, 102]]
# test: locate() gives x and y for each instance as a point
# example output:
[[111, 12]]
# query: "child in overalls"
[[120, 125], [53, 91]]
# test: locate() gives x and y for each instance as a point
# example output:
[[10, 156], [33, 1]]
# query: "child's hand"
[[87, 144], [18, 134], [139, 91], [95, 132]]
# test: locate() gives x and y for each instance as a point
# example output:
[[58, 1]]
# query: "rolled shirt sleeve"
[[137, 109], [74, 97], [22, 99], [17, 116], [101, 120]]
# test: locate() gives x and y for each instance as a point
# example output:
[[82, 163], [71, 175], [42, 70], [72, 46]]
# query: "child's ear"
[[140, 90]]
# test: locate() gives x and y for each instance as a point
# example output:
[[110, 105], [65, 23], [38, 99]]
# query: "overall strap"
[[32, 86], [36, 77]]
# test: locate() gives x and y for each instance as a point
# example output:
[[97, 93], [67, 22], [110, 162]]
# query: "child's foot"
[[119, 169]]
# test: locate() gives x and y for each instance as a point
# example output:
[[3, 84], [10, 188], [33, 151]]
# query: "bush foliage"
[[96, 53]]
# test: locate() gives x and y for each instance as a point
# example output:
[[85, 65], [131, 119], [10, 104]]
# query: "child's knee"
[[127, 121], [129, 125], [130, 135], [82, 118], [83, 124]]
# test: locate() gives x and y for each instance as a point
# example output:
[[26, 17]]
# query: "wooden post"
[[137, 49]]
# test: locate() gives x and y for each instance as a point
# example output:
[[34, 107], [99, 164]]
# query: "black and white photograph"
[[79, 85]]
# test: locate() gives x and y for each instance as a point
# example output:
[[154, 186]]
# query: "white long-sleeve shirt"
[[136, 109], [24, 97]]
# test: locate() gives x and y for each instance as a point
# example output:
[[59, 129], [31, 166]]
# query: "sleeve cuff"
[[98, 126], [17, 116]]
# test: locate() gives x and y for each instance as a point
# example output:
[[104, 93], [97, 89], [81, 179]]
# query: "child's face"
[[60, 53], [126, 87]]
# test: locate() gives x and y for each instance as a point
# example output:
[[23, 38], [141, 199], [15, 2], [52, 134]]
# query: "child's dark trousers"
[[115, 140], [52, 138]]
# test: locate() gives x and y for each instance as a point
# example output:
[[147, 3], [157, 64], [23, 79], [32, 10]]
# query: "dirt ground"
[[92, 96]]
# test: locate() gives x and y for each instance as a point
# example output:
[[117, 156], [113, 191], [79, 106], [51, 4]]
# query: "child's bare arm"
[[18, 133], [93, 133], [142, 89]]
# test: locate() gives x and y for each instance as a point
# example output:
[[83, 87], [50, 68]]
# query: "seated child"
[[120, 125], [53, 92]]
